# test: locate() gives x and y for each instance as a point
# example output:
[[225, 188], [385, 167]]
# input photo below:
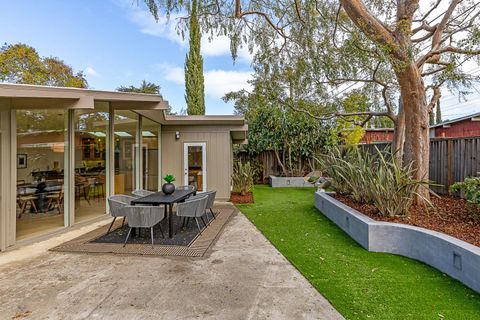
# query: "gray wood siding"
[[219, 155]]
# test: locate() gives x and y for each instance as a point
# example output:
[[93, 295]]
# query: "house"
[[377, 135], [468, 126], [64, 150]]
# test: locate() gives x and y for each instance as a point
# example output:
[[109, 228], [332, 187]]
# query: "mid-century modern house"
[[64, 150]]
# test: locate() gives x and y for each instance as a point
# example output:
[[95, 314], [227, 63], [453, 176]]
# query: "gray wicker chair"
[[115, 204], [142, 193], [193, 207], [143, 217], [211, 200]]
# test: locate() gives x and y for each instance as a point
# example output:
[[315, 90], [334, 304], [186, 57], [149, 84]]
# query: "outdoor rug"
[[186, 241]]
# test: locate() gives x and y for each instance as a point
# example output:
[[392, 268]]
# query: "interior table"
[[159, 198]]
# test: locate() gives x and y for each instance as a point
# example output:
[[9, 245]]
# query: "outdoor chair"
[[193, 207], [143, 217], [188, 187], [116, 203], [141, 193], [211, 200]]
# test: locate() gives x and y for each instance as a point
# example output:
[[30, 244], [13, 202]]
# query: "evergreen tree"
[[431, 116], [194, 82], [439, 113]]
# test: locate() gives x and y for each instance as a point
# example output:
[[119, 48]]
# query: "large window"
[[150, 154], [40, 171], [91, 131], [125, 126]]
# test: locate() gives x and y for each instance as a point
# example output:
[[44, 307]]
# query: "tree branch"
[[240, 14]]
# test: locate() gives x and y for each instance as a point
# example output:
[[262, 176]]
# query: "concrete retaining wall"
[[455, 257], [286, 182]]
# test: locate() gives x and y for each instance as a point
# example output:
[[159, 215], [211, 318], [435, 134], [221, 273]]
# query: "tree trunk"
[[417, 142], [399, 133], [280, 163]]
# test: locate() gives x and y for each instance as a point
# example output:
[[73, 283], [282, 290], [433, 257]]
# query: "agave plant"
[[242, 177]]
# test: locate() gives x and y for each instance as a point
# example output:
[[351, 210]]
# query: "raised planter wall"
[[457, 258], [286, 182]]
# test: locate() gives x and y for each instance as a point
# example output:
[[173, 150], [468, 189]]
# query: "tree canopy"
[[401, 53], [20, 63], [145, 87]]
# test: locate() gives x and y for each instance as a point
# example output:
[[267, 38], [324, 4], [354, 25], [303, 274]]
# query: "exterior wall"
[[464, 128], [377, 136], [8, 175], [219, 155]]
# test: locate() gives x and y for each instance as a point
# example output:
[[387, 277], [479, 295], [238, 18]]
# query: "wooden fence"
[[451, 160]]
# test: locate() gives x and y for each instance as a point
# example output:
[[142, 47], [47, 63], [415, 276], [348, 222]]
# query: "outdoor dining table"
[[159, 198]]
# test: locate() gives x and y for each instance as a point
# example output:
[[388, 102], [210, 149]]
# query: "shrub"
[[372, 179], [349, 170], [470, 188], [242, 178]]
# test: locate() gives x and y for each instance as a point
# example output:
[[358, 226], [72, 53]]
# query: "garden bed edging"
[[289, 182], [457, 258]]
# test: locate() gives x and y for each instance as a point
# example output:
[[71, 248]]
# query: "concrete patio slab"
[[242, 277]]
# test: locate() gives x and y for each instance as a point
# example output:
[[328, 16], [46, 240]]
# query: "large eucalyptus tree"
[[403, 51]]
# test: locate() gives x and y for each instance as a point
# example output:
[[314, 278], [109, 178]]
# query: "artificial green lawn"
[[358, 283]]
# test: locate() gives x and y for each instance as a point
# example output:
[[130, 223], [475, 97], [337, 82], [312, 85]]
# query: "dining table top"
[[159, 198]]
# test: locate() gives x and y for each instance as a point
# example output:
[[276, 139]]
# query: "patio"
[[241, 277]]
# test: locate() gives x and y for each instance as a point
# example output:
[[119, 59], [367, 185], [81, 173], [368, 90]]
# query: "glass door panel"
[[195, 165]]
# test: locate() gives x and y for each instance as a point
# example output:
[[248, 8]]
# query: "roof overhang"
[[235, 124], [42, 97]]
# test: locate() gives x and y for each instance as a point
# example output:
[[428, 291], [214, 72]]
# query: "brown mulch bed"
[[238, 198], [450, 215]]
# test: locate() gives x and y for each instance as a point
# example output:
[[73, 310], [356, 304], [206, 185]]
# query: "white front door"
[[195, 164]]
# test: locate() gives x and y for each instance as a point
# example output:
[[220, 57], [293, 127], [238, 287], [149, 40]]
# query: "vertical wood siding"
[[219, 155]]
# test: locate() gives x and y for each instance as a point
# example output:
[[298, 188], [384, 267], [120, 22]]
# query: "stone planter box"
[[457, 258], [287, 182]]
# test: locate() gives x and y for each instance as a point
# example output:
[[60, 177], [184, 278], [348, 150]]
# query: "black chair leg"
[[213, 214], [151, 234], [198, 225], [201, 218], [128, 236], [111, 224], [161, 231], [123, 221]]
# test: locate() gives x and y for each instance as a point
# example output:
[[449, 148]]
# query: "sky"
[[117, 42]]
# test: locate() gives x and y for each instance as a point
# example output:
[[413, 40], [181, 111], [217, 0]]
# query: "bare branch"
[[436, 96], [240, 14], [425, 16]]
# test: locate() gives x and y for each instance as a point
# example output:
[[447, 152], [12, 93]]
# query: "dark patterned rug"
[[186, 241]]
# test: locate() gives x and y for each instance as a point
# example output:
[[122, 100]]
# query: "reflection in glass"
[[195, 167], [150, 154], [40, 171], [91, 129], [125, 126]]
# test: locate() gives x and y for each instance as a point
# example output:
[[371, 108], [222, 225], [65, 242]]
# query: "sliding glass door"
[[40, 171]]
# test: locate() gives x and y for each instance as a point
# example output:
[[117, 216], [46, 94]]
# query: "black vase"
[[168, 188]]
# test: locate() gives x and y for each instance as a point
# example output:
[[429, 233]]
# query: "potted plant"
[[168, 187]]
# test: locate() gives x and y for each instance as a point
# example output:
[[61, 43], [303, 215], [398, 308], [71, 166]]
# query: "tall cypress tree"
[[194, 82], [438, 113]]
